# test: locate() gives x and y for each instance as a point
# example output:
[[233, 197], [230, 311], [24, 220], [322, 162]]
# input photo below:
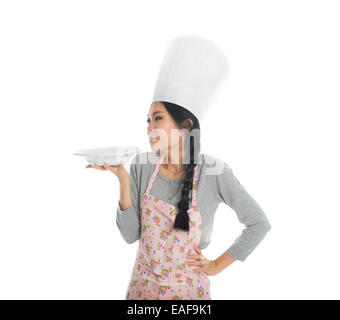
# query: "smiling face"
[[163, 131]]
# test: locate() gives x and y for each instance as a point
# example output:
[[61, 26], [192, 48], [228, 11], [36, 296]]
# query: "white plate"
[[111, 155]]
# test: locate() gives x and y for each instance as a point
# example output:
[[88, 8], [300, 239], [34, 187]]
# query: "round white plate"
[[110, 155]]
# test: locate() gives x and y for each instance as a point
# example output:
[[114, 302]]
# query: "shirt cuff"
[[241, 248], [237, 253]]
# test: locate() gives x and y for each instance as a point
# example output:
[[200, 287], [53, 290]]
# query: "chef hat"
[[191, 74]]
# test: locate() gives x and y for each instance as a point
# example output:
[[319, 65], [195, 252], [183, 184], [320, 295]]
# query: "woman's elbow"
[[266, 226], [131, 240], [262, 227]]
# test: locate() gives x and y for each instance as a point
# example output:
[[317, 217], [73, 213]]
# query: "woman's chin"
[[155, 146], [157, 149]]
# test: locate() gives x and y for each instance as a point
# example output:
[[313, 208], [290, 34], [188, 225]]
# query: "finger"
[[195, 263], [98, 167], [113, 165], [194, 256], [197, 248], [200, 263], [197, 270]]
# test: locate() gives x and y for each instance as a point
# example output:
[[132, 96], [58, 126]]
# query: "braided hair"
[[180, 114]]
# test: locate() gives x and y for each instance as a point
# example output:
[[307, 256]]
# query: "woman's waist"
[[169, 272]]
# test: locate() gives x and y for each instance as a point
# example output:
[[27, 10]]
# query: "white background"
[[81, 74]]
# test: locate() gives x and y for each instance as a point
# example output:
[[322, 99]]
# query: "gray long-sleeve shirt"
[[216, 183]]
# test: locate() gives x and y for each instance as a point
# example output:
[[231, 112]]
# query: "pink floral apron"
[[160, 271]]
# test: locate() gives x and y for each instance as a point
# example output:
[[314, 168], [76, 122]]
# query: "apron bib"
[[160, 271]]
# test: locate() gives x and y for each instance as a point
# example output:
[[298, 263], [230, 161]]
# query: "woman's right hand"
[[117, 169]]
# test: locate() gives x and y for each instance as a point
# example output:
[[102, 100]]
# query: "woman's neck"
[[174, 164]]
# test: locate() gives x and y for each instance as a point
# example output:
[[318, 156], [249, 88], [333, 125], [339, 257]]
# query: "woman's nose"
[[149, 127]]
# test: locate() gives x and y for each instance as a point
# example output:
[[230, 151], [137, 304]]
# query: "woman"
[[172, 227]]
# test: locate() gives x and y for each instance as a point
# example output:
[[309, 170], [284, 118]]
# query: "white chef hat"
[[192, 72]]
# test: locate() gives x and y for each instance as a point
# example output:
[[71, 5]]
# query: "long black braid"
[[180, 114]]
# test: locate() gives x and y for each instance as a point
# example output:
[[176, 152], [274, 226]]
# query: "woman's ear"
[[188, 124]]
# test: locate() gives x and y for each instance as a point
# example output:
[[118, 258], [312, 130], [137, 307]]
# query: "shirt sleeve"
[[128, 220], [248, 212]]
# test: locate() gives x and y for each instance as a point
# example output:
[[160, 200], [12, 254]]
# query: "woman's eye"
[[148, 120]]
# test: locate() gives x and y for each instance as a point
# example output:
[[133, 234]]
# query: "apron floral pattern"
[[160, 271]]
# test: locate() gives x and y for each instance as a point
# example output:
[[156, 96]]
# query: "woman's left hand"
[[204, 265]]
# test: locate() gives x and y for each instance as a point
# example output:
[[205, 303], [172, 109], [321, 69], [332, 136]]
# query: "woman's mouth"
[[153, 140]]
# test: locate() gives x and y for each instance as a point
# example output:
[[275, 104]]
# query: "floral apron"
[[160, 271]]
